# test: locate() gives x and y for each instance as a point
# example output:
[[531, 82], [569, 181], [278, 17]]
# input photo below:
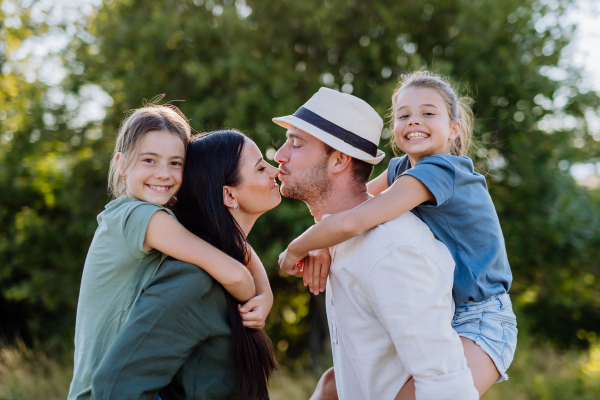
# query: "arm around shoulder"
[[168, 236], [404, 195]]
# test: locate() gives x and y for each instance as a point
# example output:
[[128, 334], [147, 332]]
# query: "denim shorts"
[[492, 325]]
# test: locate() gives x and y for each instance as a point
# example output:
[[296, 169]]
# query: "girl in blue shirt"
[[436, 181]]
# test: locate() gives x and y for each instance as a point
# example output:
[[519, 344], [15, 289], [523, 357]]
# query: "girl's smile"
[[416, 137], [155, 174], [422, 126]]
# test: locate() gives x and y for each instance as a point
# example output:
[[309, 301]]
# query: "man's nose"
[[282, 155]]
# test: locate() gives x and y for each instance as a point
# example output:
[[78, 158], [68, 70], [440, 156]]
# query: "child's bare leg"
[[326, 389], [482, 368]]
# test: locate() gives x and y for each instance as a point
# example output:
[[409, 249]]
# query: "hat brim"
[[338, 144]]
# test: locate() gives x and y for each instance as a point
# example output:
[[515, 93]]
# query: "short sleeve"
[[438, 175], [392, 172], [135, 223]]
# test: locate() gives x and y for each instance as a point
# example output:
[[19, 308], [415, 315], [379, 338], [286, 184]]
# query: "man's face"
[[303, 167]]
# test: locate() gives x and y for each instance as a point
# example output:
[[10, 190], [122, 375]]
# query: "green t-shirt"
[[116, 268]]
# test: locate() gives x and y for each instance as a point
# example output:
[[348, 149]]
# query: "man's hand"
[[316, 270], [291, 263], [255, 311]]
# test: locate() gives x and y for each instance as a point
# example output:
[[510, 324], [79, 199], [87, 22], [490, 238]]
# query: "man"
[[389, 293]]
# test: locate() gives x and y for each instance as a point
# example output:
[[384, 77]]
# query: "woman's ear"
[[229, 198]]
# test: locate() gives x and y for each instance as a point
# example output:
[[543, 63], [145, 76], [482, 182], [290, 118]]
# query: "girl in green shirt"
[[136, 230]]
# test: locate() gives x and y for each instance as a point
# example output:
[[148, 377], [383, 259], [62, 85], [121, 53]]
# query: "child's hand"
[[290, 263], [316, 270], [255, 311]]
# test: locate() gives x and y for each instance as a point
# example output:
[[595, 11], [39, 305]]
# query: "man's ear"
[[339, 162], [229, 197]]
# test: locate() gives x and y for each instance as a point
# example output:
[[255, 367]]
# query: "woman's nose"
[[273, 172]]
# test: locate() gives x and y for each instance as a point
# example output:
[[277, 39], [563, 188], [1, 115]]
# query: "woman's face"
[[258, 192]]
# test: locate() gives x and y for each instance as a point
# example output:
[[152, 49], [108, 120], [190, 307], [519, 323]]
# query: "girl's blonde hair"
[[459, 108], [151, 117]]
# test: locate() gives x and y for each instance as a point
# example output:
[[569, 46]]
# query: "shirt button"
[[332, 301]]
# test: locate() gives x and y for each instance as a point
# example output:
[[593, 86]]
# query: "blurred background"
[[71, 69]]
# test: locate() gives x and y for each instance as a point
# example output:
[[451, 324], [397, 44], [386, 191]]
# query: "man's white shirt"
[[389, 308]]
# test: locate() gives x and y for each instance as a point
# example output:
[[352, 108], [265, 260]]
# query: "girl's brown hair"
[[151, 117], [459, 108]]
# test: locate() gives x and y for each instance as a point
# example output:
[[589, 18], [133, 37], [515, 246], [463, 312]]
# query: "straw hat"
[[343, 121]]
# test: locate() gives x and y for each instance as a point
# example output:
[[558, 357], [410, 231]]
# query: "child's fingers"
[[251, 316], [281, 257], [323, 275], [298, 268], [254, 320], [308, 270], [253, 324], [316, 278]]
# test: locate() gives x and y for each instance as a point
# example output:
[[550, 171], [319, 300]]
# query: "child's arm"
[[404, 195], [378, 184], [167, 235], [255, 311]]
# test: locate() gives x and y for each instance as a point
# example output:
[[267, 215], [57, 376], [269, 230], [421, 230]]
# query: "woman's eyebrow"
[[259, 160]]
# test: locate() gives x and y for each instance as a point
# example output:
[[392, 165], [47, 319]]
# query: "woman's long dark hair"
[[213, 161]]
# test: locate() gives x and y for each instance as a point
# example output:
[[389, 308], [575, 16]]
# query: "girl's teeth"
[[161, 188], [416, 136]]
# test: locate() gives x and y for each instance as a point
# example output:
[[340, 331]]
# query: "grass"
[[538, 372]]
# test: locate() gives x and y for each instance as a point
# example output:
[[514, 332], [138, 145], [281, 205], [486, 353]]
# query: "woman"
[[184, 337]]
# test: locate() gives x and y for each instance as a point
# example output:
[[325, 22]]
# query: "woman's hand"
[[291, 263], [316, 270], [255, 311]]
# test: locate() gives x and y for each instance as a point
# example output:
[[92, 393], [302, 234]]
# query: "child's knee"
[[326, 389], [329, 382]]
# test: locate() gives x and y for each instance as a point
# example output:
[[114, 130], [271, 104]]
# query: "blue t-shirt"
[[464, 219]]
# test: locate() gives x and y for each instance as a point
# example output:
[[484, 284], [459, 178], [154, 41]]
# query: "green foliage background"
[[235, 69]]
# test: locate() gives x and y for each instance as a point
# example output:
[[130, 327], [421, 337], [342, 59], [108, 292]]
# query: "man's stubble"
[[311, 186]]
